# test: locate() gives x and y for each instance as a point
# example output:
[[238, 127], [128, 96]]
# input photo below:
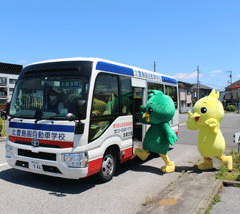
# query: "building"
[[203, 91], [185, 98], [232, 93], [8, 77]]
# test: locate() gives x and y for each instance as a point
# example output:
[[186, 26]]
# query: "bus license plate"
[[35, 165]]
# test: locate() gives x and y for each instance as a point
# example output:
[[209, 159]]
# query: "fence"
[[185, 109]]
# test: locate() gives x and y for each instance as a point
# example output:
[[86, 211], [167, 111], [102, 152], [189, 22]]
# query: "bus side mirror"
[[81, 108], [70, 117]]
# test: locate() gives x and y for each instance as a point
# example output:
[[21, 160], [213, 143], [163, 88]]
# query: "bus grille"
[[40, 145], [40, 155]]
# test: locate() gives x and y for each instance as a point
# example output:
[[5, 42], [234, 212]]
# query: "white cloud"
[[212, 75], [22, 61], [217, 71], [185, 76], [238, 76]]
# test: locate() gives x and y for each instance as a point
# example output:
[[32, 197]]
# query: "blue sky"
[[177, 34]]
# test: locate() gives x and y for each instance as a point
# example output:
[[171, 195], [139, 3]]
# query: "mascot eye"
[[150, 111], [203, 110]]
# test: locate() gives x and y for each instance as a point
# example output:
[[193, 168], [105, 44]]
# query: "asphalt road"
[[135, 182], [229, 204]]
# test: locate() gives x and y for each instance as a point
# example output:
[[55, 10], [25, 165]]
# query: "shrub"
[[231, 108]]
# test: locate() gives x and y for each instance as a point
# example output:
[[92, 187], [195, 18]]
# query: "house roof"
[[201, 87], [10, 68], [185, 83], [233, 85]]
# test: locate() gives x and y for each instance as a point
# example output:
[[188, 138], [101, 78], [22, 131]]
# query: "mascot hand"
[[172, 139], [143, 109], [213, 124], [143, 120], [191, 124]]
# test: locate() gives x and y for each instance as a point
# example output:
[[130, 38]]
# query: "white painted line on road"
[[182, 124], [3, 164]]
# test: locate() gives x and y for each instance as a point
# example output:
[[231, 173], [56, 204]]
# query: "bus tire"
[[108, 166]]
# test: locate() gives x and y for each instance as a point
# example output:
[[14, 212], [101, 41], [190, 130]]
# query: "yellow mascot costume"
[[206, 117]]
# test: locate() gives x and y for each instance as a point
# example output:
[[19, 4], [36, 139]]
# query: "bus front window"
[[47, 97]]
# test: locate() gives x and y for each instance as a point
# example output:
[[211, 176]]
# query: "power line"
[[186, 75]]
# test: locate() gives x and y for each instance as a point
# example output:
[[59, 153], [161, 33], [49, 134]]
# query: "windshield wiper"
[[38, 115], [55, 116], [18, 116], [49, 118]]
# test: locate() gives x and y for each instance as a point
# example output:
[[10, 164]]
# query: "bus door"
[[139, 91]]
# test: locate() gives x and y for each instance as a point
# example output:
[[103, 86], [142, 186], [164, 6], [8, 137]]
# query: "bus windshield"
[[48, 96]]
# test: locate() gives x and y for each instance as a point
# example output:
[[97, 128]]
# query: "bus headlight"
[[76, 160], [9, 151]]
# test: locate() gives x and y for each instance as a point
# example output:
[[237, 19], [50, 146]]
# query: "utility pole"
[[154, 66], [198, 82], [230, 82]]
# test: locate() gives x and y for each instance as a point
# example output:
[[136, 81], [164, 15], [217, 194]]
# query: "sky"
[[178, 35]]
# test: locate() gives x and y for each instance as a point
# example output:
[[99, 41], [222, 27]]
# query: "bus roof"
[[115, 67]]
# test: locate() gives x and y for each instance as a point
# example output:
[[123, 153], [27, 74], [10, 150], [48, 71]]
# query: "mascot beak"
[[147, 116], [196, 117]]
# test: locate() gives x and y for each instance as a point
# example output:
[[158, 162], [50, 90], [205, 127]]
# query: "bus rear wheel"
[[108, 167]]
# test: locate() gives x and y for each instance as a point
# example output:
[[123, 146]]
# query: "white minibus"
[[76, 117]]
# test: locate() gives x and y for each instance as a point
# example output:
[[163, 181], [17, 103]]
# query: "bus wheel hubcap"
[[107, 165]]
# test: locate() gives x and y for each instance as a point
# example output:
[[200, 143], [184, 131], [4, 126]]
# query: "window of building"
[[3, 92], [12, 81], [11, 91], [3, 80]]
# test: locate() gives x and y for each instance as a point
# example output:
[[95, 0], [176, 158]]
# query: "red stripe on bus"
[[128, 154], [62, 144], [94, 166]]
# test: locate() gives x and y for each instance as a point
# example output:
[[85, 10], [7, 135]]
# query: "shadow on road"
[[56, 186], [136, 165], [59, 187], [192, 169]]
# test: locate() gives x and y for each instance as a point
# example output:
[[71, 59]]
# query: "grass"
[[149, 200], [216, 199], [170, 183], [183, 172], [236, 111], [223, 173]]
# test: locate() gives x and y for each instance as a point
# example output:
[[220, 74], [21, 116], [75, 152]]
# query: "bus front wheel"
[[108, 167]]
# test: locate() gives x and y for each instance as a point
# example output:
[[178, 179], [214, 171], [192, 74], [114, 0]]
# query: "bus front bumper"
[[25, 158]]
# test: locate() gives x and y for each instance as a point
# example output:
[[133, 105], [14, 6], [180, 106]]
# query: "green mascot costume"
[[159, 110]]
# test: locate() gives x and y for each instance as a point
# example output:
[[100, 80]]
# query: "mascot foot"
[[170, 167], [206, 164], [141, 153], [227, 160]]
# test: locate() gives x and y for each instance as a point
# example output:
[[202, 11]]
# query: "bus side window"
[[105, 105], [171, 91], [126, 95]]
